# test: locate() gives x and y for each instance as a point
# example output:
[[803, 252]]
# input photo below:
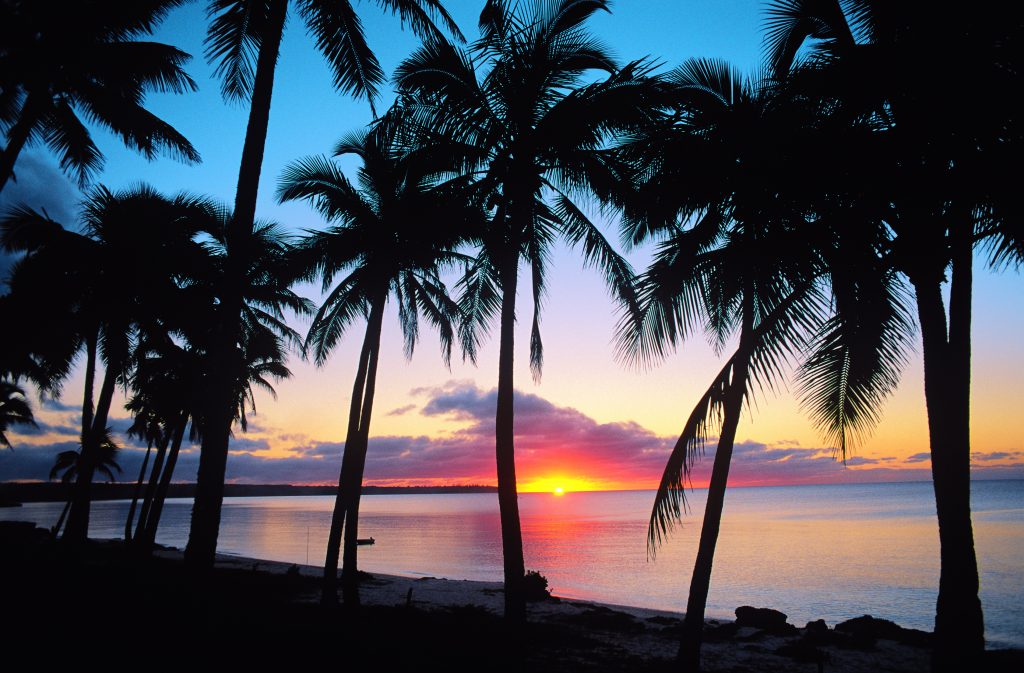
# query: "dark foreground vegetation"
[[247, 615]]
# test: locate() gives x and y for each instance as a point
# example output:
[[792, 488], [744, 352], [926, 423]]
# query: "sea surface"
[[831, 552]]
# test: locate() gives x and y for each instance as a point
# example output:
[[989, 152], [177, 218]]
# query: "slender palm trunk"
[[700, 582], [329, 589], [88, 407], [55, 531], [78, 518], [202, 541], [201, 549], [959, 622], [153, 517], [135, 496], [16, 139], [259, 116], [504, 428], [350, 570], [154, 477]]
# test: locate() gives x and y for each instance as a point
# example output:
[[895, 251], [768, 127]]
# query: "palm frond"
[[338, 32], [233, 42], [670, 498]]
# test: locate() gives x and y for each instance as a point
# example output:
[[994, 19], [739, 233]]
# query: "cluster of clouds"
[[550, 439]]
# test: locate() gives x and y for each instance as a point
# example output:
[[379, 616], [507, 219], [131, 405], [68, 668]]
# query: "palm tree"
[[63, 61], [731, 266], [166, 380], [145, 425], [119, 276], [243, 40], [14, 410], [936, 167], [255, 266], [70, 463], [385, 248], [529, 131], [728, 161]]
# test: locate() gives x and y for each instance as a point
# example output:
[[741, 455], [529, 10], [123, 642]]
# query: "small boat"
[[365, 540]]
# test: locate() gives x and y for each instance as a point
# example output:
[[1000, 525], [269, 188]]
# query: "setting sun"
[[559, 490]]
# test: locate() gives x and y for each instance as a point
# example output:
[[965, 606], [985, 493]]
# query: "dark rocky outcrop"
[[868, 629], [766, 619]]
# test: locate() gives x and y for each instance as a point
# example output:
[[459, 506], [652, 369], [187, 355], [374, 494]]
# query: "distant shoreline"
[[43, 491], [56, 492]]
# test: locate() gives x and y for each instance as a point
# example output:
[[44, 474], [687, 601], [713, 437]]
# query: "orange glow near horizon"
[[560, 484]]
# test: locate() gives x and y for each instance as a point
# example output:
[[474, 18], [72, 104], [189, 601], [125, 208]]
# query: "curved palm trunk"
[[959, 621], [350, 570], [78, 518], [202, 543], [154, 477], [329, 588], [135, 496], [700, 582], [152, 520], [16, 139], [504, 429]]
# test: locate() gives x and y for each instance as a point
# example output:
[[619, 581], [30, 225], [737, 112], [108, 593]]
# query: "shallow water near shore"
[[831, 552]]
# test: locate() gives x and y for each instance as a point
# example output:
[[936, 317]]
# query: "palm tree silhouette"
[[937, 165], [243, 39], [255, 266], [167, 378], [146, 425], [64, 61], [14, 410], [120, 276], [732, 267], [727, 161], [518, 114], [380, 243], [69, 465]]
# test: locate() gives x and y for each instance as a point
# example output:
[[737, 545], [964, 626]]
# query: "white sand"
[[646, 634]]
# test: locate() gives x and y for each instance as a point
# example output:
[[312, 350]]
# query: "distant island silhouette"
[[55, 492]]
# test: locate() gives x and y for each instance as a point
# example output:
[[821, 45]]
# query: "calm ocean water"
[[831, 552]]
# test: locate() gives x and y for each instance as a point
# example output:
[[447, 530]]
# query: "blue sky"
[[308, 116]]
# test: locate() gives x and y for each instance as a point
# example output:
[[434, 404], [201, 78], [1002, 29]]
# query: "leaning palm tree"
[[738, 258], [14, 410], [936, 168], [530, 131], [243, 40], [64, 61], [381, 243]]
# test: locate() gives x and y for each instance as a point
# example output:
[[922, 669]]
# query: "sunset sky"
[[591, 423]]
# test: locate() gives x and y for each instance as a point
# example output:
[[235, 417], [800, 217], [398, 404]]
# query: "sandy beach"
[[247, 609], [623, 632]]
